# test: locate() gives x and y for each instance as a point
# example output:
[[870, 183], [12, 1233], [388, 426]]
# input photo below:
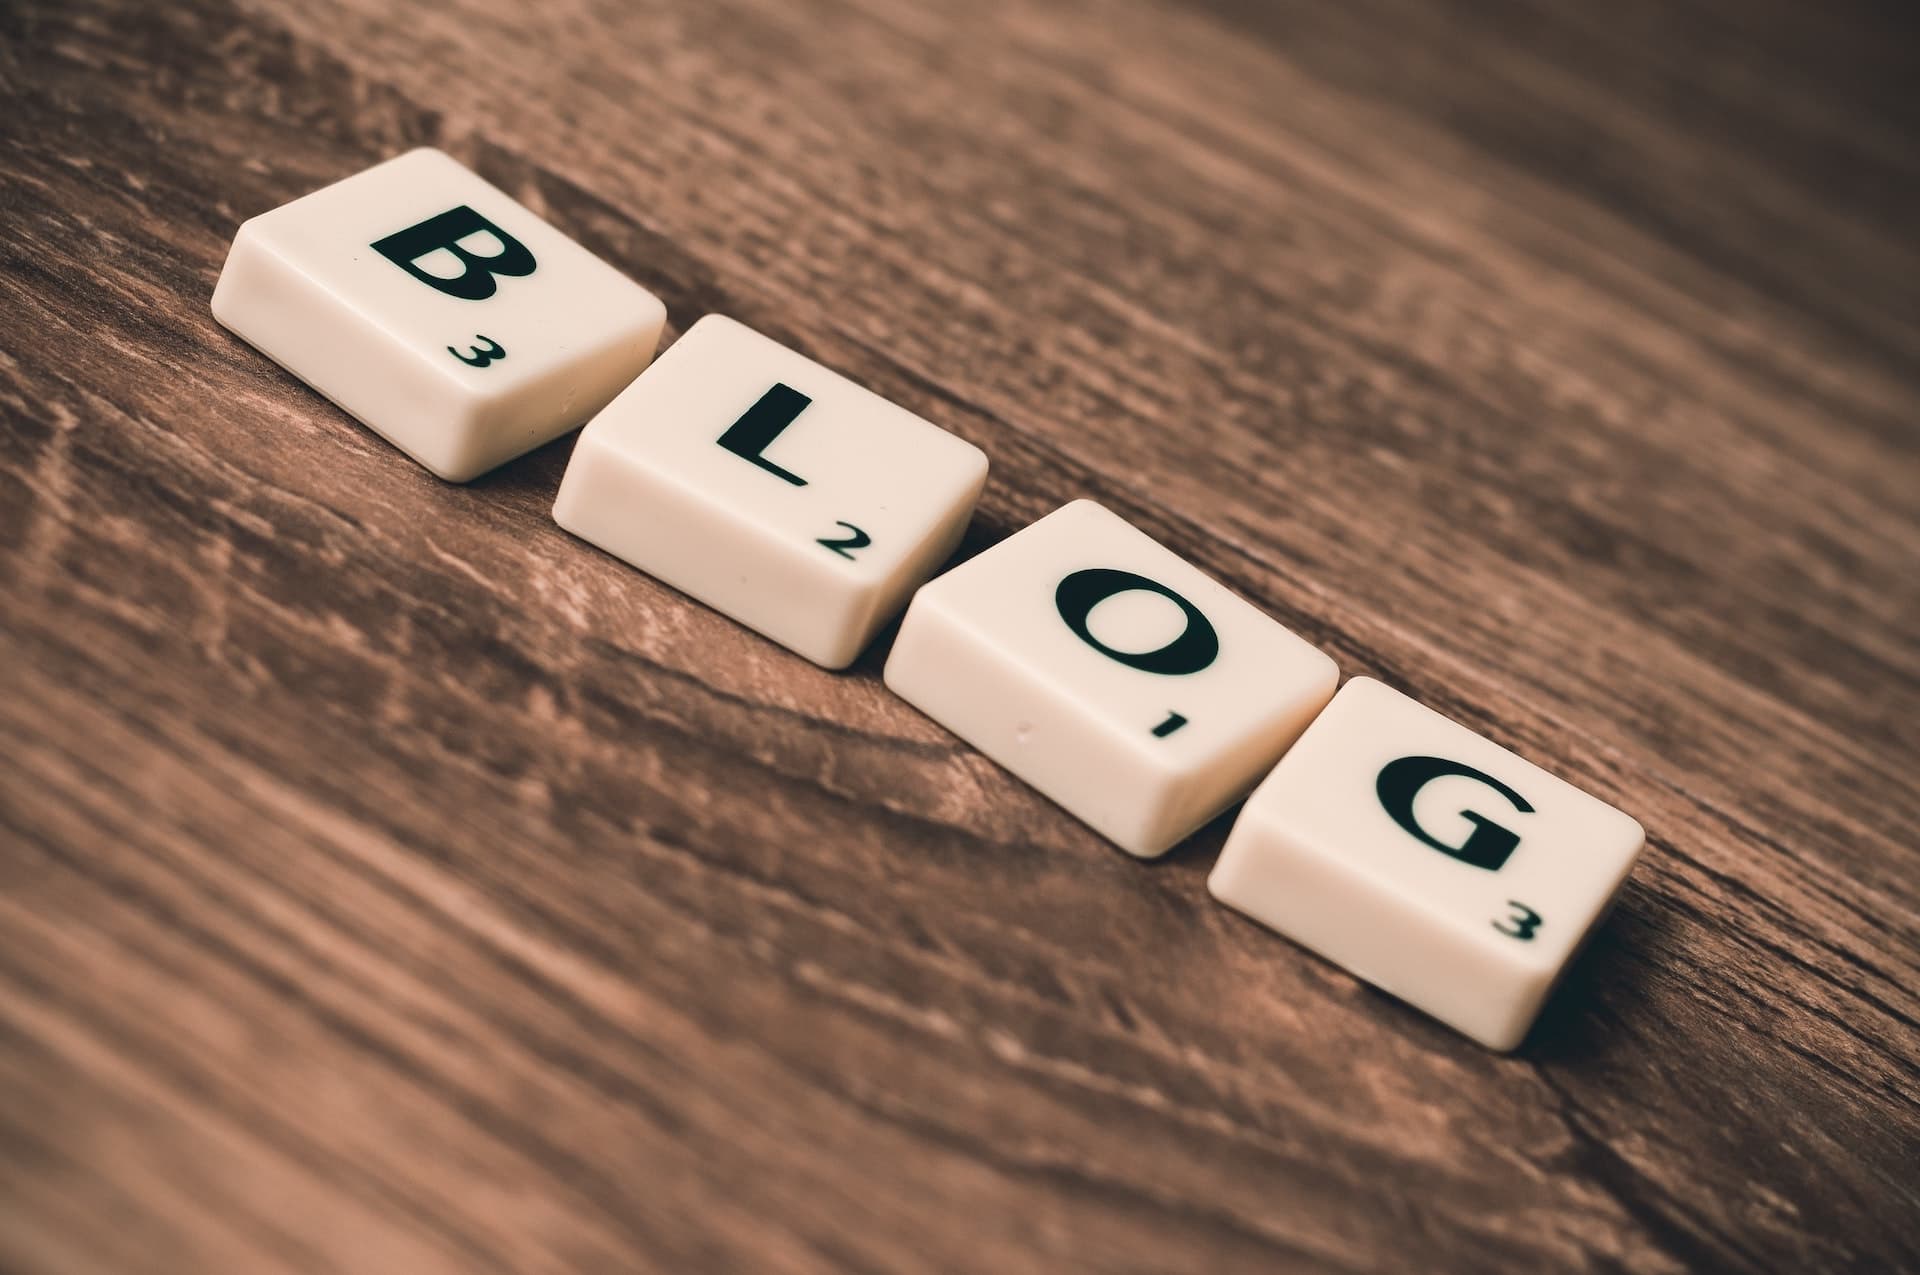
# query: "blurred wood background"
[[390, 883]]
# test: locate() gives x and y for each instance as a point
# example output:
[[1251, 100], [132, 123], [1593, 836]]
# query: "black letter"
[[760, 424], [1082, 591], [1486, 847], [446, 230]]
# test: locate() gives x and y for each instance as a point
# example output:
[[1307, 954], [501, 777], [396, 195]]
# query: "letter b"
[[445, 231]]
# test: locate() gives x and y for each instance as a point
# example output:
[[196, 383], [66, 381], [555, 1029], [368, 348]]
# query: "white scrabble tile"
[[772, 489], [437, 311], [1109, 673], [1428, 860]]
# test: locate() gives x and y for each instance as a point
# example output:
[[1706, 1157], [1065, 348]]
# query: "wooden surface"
[[394, 884]]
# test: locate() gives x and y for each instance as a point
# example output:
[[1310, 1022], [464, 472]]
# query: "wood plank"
[[390, 882]]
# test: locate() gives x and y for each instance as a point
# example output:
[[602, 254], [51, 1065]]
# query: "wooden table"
[[393, 883]]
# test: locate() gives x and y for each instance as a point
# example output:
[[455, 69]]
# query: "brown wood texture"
[[392, 883]]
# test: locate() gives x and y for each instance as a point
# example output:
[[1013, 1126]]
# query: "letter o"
[[1196, 647]]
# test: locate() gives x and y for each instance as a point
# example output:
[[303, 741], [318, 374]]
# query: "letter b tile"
[[1109, 673], [771, 488], [1427, 860], [436, 310]]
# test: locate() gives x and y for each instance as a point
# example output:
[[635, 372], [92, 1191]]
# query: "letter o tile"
[[1111, 674]]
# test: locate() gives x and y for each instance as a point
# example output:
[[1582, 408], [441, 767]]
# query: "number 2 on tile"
[[845, 545], [1521, 924]]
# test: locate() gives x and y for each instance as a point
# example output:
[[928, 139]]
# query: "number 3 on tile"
[[1521, 924], [477, 357]]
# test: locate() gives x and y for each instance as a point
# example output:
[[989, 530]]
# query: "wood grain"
[[393, 884]]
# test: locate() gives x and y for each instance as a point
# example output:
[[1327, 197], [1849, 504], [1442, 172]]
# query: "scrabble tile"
[[437, 311], [1428, 860], [1113, 676], [772, 489]]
